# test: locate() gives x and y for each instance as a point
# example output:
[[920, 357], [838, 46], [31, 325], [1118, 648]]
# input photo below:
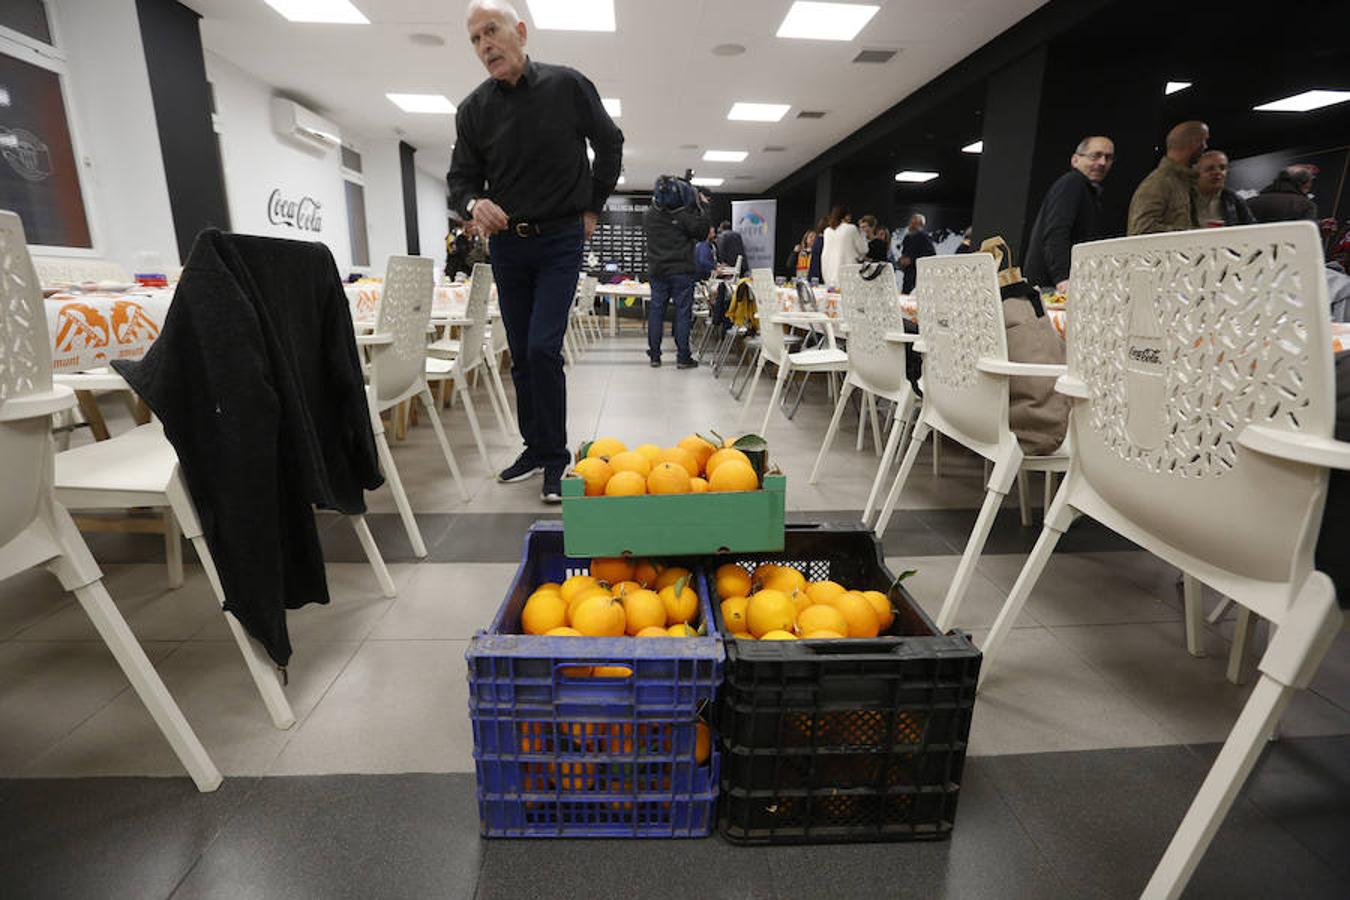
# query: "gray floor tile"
[[623, 868], [987, 856], [341, 545], [933, 577], [28, 598], [107, 838], [1082, 589], [1103, 820], [336, 837], [497, 538], [446, 601], [1009, 535]]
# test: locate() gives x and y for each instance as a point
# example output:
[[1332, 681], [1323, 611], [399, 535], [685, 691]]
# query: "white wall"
[[432, 215], [117, 141], [258, 162], [384, 201]]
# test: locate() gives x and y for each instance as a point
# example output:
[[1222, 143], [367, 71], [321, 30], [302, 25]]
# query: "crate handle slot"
[[560, 671], [851, 646]]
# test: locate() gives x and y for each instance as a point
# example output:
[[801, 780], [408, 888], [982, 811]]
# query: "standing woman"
[[844, 244], [817, 251]]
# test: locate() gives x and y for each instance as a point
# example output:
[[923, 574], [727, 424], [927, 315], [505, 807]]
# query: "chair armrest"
[[92, 381], [1071, 387], [920, 346], [31, 406], [1028, 370], [1304, 448], [901, 337], [374, 340]]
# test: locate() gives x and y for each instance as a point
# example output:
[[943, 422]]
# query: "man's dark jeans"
[[678, 289], [536, 282]]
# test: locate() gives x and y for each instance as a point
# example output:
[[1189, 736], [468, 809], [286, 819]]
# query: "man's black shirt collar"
[[527, 77]]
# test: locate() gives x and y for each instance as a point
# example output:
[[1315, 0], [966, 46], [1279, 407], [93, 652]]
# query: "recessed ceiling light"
[[613, 106], [426, 39], [1174, 86], [977, 147], [826, 21], [340, 12], [708, 182], [875, 57], [774, 148], [914, 177], [758, 112], [572, 15], [811, 114], [725, 155], [423, 103], [728, 50], [1305, 101], [689, 146]]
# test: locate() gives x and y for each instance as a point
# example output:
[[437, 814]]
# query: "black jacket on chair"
[[256, 378]]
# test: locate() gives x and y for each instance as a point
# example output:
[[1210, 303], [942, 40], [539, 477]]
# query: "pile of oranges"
[[693, 466], [638, 598], [777, 603]]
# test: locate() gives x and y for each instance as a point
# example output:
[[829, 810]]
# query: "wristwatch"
[[468, 207]]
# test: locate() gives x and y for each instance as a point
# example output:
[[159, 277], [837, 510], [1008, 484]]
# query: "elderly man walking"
[[520, 172], [1165, 199], [1071, 213]]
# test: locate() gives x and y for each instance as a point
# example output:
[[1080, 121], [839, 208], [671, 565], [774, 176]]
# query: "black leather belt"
[[543, 227]]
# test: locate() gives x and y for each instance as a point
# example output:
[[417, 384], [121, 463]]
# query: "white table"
[[90, 330], [637, 290]]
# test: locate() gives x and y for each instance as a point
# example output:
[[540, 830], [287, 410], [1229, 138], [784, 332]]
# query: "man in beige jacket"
[[1165, 200]]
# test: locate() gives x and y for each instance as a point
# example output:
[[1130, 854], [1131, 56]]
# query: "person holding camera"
[[675, 222]]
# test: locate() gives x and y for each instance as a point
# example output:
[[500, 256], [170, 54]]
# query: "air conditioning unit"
[[293, 121]]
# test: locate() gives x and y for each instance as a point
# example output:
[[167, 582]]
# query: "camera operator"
[[675, 222]]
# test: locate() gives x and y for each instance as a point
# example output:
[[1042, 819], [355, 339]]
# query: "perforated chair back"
[[471, 342], [1179, 344], [960, 322], [405, 313], [872, 309], [766, 304]]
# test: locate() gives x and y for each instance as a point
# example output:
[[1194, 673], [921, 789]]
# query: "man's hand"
[[1062, 287], [905, 262], [588, 222], [489, 217]]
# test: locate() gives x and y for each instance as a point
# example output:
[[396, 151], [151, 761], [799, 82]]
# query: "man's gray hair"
[[1085, 143], [503, 8], [923, 220]]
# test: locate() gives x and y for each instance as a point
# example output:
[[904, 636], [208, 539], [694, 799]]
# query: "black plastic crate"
[[846, 740]]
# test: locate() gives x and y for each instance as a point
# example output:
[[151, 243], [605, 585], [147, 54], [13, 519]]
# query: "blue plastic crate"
[[595, 775], [559, 755], [509, 670]]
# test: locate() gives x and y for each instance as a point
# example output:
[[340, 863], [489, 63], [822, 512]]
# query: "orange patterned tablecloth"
[[449, 300], [89, 330]]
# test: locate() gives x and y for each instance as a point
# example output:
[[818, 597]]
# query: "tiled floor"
[[1086, 746]]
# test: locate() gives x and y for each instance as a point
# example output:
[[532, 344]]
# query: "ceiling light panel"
[[613, 106], [977, 147], [572, 15], [758, 112], [1304, 102], [339, 12], [910, 176], [725, 156], [708, 182], [826, 21], [1174, 86], [436, 104]]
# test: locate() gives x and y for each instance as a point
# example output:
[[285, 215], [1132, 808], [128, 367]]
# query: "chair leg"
[[832, 430], [497, 412], [449, 454], [1057, 521], [784, 373], [500, 389], [937, 453], [149, 687], [862, 419], [736, 391], [796, 404], [899, 426], [405, 512], [750, 390], [173, 549], [367, 540], [1049, 492], [1238, 669], [1023, 501], [1191, 596], [921, 432], [473, 424], [1219, 609], [956, 593], [1289, 663], [876, 425]]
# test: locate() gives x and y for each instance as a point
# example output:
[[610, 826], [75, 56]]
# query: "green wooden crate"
[[673, 524]]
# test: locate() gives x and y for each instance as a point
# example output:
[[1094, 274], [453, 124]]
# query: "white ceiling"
[[659, 63]]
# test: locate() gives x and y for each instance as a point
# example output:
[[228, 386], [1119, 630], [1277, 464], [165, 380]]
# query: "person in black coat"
[[671, 236], [817, 251], [1071, 213], [915, 245], [730, 247], [1286, 198]]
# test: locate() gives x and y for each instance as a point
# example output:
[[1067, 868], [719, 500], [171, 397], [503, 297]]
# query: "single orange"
[[670, 575], [702, 742], [624, 587], [681, 607], [646, 572], [881, 605], [604, 447], [681, 630], [595, 472], [600, 617], [733, 475], [721, 456], [821, 618], [651, 451], [612, 569], [543, 613], [643, 609], [733, 613], [732, 581], [682, 458], [698, 486], [668, 478], [778, 635], [652, 631], [626, 484], [630, 461], [700, 448], [768, 611]]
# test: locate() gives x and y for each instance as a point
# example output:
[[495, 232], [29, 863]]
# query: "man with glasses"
[[1070, 214]]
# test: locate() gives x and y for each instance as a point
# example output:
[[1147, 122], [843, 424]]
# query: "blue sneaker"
[[519, 470]]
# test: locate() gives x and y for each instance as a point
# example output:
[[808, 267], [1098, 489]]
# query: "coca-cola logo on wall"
[[306, 214]]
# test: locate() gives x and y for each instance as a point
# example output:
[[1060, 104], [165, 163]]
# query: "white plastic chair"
[[583, 310], [877, 345], [35, 529], [496, 346], [774, 350], [468, 358], [965, 394], [61, 270], [398, 366], [1200, 367]]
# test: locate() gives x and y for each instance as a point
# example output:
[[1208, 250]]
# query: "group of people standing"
[[836, 241], [1187, 189]]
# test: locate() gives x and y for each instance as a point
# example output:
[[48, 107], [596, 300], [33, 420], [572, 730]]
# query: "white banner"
[[755, 220]]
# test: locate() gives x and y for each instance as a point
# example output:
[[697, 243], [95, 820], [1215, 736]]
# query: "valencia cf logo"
[[80, 327], [131, 324]]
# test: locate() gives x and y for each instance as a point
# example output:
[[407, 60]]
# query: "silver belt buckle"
[[523, 229]]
